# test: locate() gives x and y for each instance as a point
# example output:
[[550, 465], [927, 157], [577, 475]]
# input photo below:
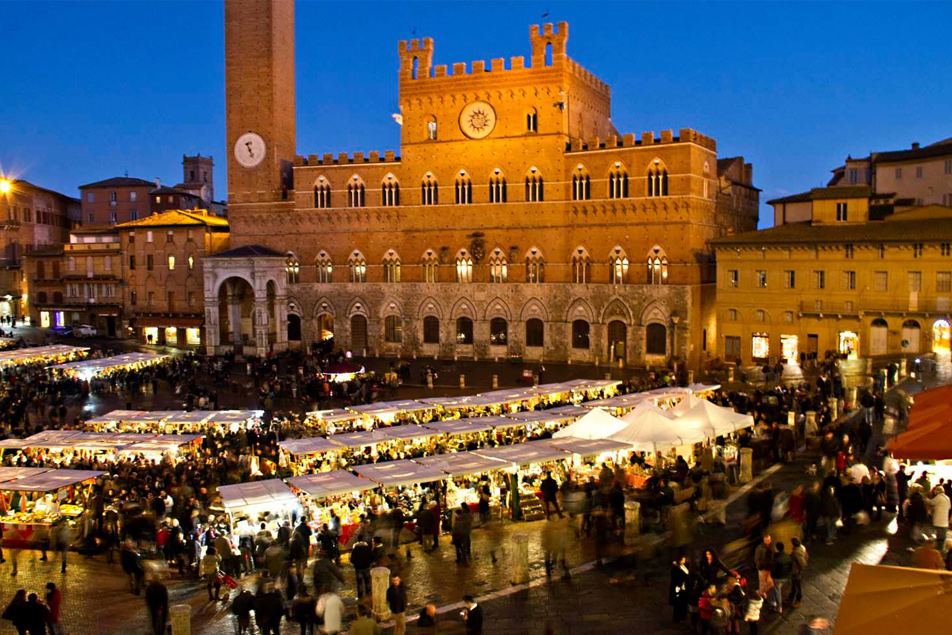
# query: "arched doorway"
[[236, 322], [294, 327], [656, 339], [358, 333], [878, 337], [941, 333], [910, 336], [325, 327], [617, 340]]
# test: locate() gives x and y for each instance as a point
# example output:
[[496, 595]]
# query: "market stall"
[[654, 433], [249, 504], [343, 372], [33, 499], [57, 353], [465, 471], [405, 484], [309, 454], [462, 434], [60, 448], [391, 412], [338, 492], [594, 388], [713, 420], [104, 366], [176, 421], [333, 421], [595, 424]]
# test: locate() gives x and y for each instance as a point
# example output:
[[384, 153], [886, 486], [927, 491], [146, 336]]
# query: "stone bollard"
[[690, 377], [180, 617], [608, 376], [730, 375], [810, 426], [535, 380], [791, 418], [621, 362], [495, 382], [746, 465], [903, 368], [851, 397], [429, 381], [379, 583], [462, 381], [520, 559], [632, 522], [833, 404]]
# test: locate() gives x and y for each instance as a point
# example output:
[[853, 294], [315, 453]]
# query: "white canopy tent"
[[714, 420], [362, 438], [48, 480], [39, 354], [89, 368], [596, 424], [257, 496], [654, 432], [467, 425], [309, 446], [408, 432], [643, 409], [687, 402], [462, 463], [588, 447], [399, 473], [324, 484]]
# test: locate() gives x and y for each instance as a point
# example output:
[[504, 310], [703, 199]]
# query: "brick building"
[[515, 222], [31, 218]]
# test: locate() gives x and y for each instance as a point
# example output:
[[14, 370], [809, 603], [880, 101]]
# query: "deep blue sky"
[[95, 89]]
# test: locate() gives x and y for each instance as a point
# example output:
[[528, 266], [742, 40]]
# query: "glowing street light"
[[5, 186]]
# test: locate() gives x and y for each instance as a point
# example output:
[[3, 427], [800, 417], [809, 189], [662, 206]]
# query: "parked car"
[[84, 330], [64, 331]]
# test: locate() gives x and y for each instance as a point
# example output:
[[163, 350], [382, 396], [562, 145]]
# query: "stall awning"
[[651, 431], [13, 473], [324, 484], [37, 354], [588, 447], [384, 408], [462, 463], [92, 367], [309, 446], [49, 480], [525, 453], [272, 493], [596, 424], [332, 416], [163, 443], [568, 411], [501, 423], [361, 439], [407, 432], [466, 425], [541, 416], [399, 473], [714, 420]]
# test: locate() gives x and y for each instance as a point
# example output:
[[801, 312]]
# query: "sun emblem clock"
[[477, 120], [249, 150]]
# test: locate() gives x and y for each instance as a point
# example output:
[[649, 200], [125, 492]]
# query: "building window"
[[391, 267], [171, 263], [325, 268], [169, 237], [657, 266], [789, 279], [497, 188], [532, 121], [853, 176], [581, 185], [848, 306], [132, 262], [917, 250], [464, 267], [848, 250], [431, 330], [355, 193], [358, 267], [918, 171], [761, 278], [464, 331], [390, 193], [133, 214], [732, 315], [535, 266], [90, 197], [618, 182], [535, 333], [429, 191], [113, 198], [819, 279], [431, 129], [149, 262], [393, 329], [293, 268], [915, 281], [464, 189], [191, 262], [113, 217], [760, 315], [943, 282], [133, 298], [322, 194], [150, 298], [132, 237], [534, 186], [657, 180], [944, 249], [148, 237], [190, 297], [133, 196], [760, 346], [733, 278], [849, 280], [430, 267], [580, 334], [498, 332], [842, 213], [91, 217], [881, 281], [732, 347], [881, 251], [948, 166], [898, 174], [618, 266], [788, 316], [498, 268], [581, 266]]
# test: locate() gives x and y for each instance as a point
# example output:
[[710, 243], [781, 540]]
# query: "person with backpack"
[[781, 571]]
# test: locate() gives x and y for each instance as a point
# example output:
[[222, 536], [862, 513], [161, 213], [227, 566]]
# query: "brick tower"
[[259, 75]]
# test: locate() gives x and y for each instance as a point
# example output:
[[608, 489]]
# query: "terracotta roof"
[[165, 189], [820, 193], [912, 154], [927, 224], [177, 218], [793, 198], [120, 181], [249, 251], [23, 182]]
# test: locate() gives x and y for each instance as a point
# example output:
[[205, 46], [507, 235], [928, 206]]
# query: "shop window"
[[498, 332], [431, 330], [580, 334], [464, 330], [760, 346]]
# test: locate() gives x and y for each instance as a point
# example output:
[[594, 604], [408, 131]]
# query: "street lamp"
[[5, 186]]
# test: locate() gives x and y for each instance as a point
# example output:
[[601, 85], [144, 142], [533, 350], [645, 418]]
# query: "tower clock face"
[[477, 120], [249, 150]]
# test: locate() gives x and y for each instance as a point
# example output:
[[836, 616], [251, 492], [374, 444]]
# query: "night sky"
[[92, 90]]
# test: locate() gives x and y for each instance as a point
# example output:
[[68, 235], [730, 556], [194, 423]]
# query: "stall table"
[[28, 526], [89, 368]]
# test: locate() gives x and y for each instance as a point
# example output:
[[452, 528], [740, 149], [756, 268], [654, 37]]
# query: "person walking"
[[397, 601], [157, 601], [132, 566], [211, 572], [361, 557], [462, 529], [780, 572], [940, 505], [331, 609], [14, 613], [62, 539], [550, 493], [763, 562], [54, 600], [678, 592], [800, 561]]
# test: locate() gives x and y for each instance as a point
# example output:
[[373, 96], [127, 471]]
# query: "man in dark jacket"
[[241, 608], [780, 572], [473, 616], [763, 561], [132, 565], [326, 574], [361, 557], [34, 616], [550, 491], [269, 609], [157, 601], [397, 600]]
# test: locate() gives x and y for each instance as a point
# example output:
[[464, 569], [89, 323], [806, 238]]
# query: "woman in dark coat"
[[679, 592], [710, 568]]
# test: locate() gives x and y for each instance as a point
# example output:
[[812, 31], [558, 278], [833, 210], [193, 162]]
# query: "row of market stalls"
[[87, 369], [54, 354], [64, 446], [33, 499], [175, 421]]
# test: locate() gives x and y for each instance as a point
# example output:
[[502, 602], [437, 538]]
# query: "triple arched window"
[[391, 267], [657, 180], [657, 266], [618, 266], [429, 192], [293, 268], [535, 266], [464, 266], [325, 268], [464, 189], [498, 267], [390, 192], [534, 186], [322, 193], [497, 188], [431, 266], [581, 185], [618, 182], [581, 266], [357, 265], [355, 193]]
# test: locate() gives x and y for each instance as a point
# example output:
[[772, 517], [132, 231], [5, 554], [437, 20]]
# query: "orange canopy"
[[929, 413], [934, 396], [929, 441]]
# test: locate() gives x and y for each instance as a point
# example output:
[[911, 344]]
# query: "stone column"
[[379, 583], [903, 368], [632, 521], [520, 559], [234, 315], [180, 617], [746, 465], [462, 381], [212, 326], [810, 426], [690, 377], [495, 382], [833, 404], [281, 318], [261, 326], [730, 374], [851, 396]]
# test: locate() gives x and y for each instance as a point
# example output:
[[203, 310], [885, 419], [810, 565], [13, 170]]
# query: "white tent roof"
[[501, 422], [324, 484], [568, 411], [37, 354], [49, 480], [687, 402], [466, 425], [226, 416], [543, 416], [331, 416], [654, 432], [103, 364], [13, 473], [272, 493], [714, 420], [588, 447], [462, 463], [525, 453], [642, 409], [407, 432], [182, 417], [361, 438], [309, 445], [163, 443], [596, 424], [399, 473]]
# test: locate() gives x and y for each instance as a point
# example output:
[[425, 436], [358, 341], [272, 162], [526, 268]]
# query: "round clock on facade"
[[249, 150], [477, 120]]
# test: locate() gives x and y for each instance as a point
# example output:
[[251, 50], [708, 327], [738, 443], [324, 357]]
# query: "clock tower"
[[259, 75]]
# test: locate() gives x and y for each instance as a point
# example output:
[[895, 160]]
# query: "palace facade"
[[515, 221]]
